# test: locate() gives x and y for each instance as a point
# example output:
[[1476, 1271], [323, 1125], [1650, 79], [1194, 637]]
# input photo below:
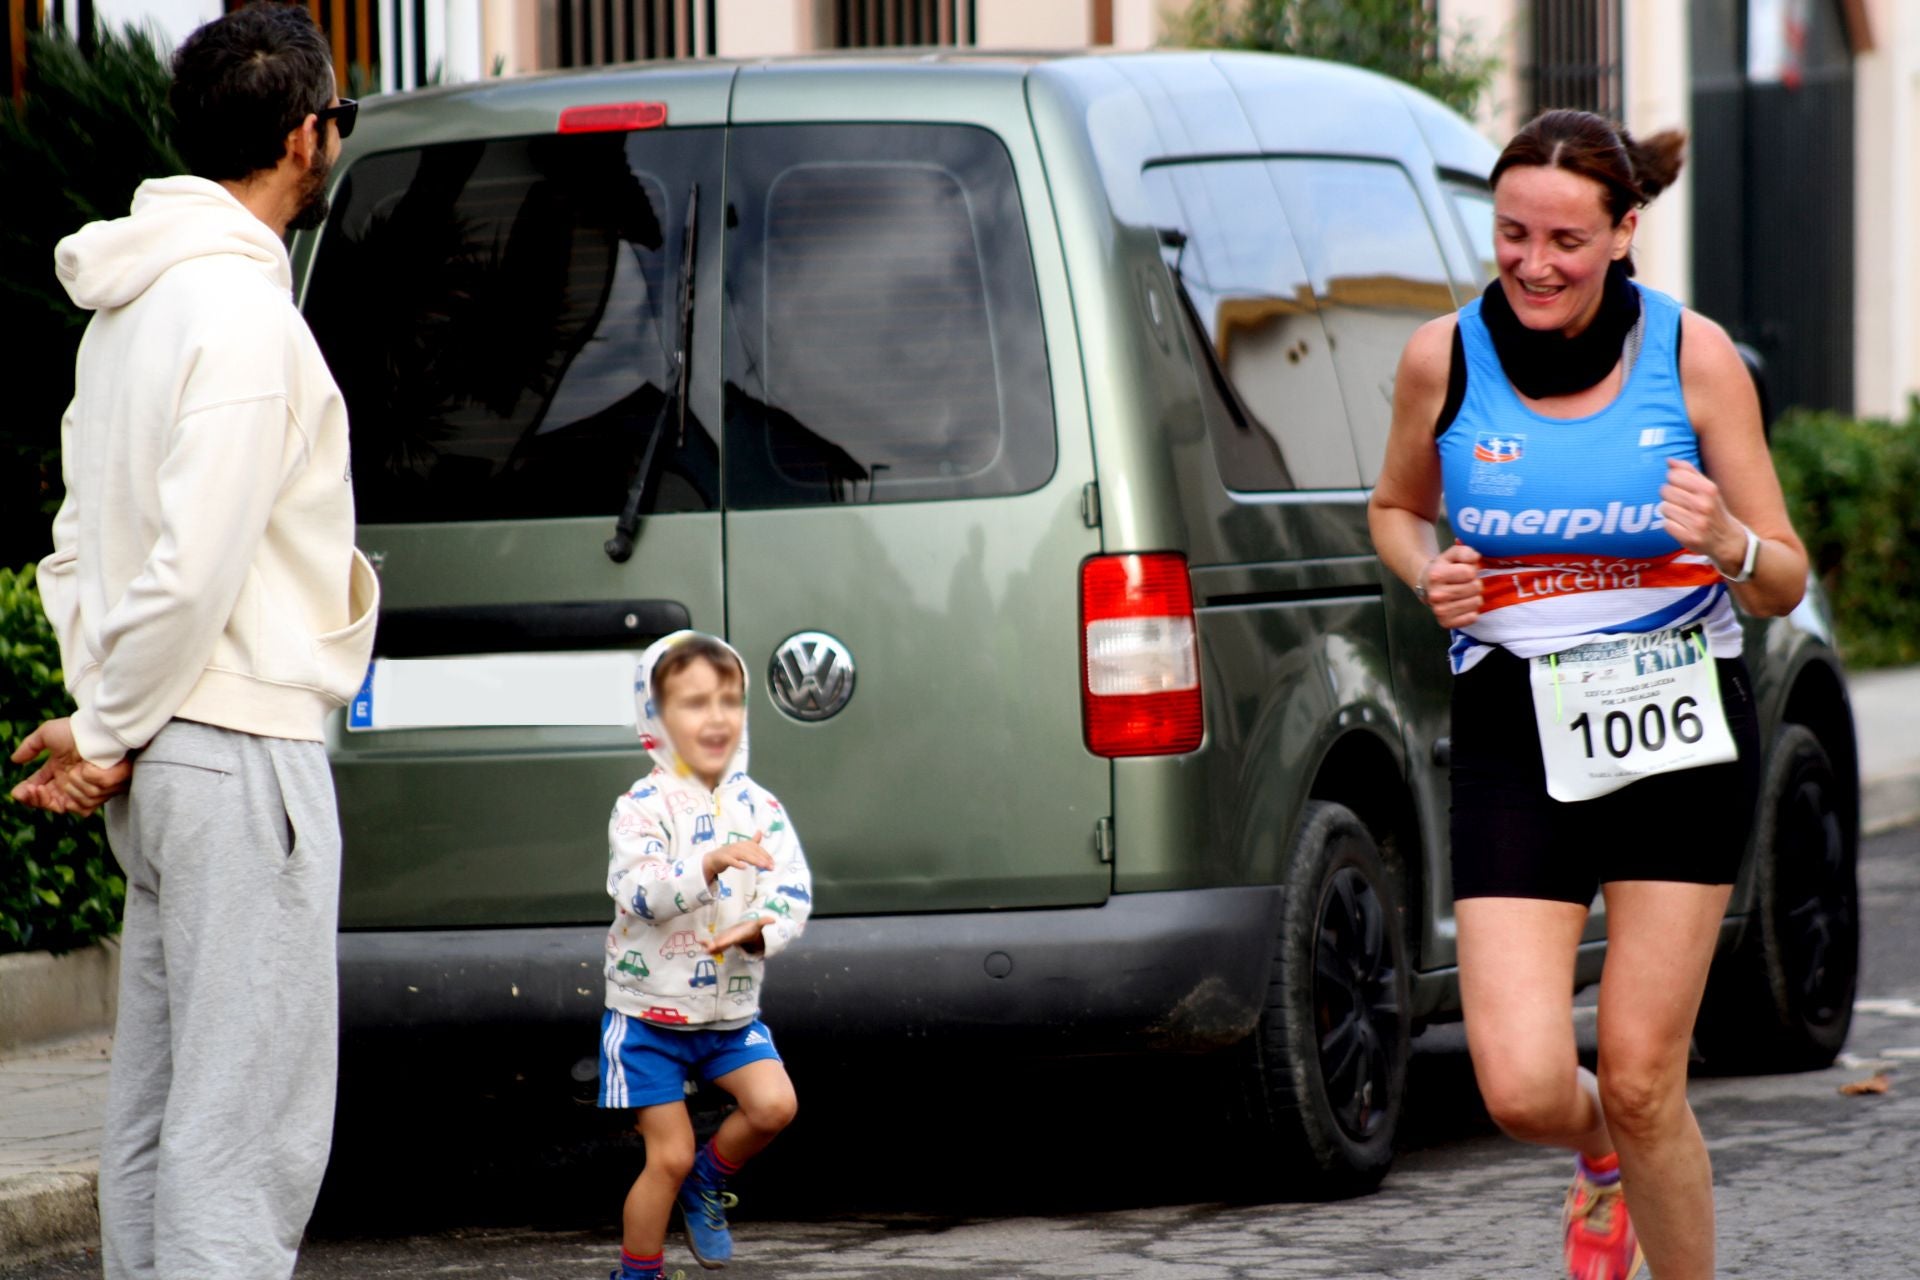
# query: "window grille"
[[871, 24], [25, 16], [1577, 56], [596, 33]]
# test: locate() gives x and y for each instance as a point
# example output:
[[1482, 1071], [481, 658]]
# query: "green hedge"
[[1853, 490], [59, 885], [90, 126]]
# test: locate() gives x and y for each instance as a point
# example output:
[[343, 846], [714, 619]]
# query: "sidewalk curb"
[[45, 1213], [1889, 800], [45, 998]]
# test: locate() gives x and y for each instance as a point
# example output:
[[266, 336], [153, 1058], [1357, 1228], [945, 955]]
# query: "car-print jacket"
[[665, 911]]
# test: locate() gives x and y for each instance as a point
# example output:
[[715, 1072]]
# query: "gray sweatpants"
[[220, 1105]]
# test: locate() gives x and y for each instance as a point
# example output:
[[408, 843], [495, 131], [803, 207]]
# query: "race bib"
[[1629, 707]]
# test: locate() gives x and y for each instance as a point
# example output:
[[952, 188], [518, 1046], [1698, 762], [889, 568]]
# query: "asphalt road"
[[993, 1169]]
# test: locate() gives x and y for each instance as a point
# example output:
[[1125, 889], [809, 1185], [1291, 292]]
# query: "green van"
[[1015, 417]]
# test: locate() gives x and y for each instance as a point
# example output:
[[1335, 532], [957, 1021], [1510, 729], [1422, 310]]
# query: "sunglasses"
[[345, 114]]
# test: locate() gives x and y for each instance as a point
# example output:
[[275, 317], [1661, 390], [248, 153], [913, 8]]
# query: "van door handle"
[[449, 630]]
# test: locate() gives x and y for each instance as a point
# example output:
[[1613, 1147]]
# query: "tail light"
[[613, 117], [1140, 656]]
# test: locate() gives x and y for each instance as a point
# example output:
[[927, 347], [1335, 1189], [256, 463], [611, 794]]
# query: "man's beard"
[[313, 193]]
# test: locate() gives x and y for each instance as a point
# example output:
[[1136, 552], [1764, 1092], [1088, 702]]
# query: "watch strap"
[[1746, 564]]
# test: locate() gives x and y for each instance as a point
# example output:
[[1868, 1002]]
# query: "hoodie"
[[203, 563], [664, 910]]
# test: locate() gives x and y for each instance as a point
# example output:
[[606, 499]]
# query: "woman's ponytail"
[[1656, 160]]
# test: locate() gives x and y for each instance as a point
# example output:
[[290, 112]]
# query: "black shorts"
[[1512, 840]]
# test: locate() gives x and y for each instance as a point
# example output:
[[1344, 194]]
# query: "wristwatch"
[[1420, 583], [1746, 565]]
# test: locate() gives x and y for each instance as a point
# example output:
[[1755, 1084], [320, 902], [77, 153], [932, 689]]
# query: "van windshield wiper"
[[626, 530]]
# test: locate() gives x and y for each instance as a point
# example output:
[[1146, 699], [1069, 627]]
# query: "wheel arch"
[[1362, 772], [1817, 698]]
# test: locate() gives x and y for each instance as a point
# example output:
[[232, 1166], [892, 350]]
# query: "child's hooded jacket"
[[657, 967]]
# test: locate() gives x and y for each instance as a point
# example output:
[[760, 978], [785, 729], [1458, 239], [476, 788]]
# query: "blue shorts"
[[642, 1065]]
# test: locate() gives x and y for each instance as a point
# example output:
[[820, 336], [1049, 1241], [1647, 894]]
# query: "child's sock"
[[711, 1168], [1603, 1172], [632, 1268]]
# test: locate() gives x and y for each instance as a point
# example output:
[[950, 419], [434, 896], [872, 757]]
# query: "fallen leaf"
[[1872, 1084]]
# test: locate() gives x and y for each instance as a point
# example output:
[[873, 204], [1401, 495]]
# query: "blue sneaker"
[[705, 1208]]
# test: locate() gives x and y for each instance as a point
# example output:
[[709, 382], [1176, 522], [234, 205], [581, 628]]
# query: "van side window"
[[1378, 275], [882, 326], [501, 317], [1281, 424], [1473, 205]]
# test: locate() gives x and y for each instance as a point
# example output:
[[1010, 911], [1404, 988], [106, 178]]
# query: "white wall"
[[509, 32], [1035, 24], [1886, 205], [756, 28], [1660, 96], [174, 20], [1498, 27], [462, 33], [1139, 24]]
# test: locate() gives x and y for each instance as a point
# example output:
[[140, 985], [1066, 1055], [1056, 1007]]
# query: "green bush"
[[59, 885], [1853, 490], [1399, 38], [88, 130]]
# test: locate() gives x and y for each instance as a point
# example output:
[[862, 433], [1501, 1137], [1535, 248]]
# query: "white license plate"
[[496, 690]]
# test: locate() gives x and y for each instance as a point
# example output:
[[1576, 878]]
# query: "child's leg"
[[668, 1132], [766, 1106]]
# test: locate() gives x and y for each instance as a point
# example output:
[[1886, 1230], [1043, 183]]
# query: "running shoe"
[[705, 1209], [1601, 1244]]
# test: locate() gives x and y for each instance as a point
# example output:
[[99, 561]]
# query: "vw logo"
[[811, 676]]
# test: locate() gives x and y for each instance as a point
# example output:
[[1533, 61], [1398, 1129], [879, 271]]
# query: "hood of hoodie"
[[653, 733], [174, 220]]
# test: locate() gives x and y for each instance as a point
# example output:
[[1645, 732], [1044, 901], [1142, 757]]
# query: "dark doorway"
[[1773, 201]]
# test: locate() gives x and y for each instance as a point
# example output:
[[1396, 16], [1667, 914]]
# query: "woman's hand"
[[1698, 518], [1452, 579]]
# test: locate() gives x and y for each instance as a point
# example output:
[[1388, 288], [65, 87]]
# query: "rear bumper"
[[1178, 971]]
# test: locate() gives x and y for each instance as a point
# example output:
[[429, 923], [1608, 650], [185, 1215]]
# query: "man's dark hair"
[[242, 83]]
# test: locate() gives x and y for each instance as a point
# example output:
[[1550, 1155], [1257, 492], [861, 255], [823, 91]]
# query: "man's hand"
[[65, 783], [741, 853], [745, 935]]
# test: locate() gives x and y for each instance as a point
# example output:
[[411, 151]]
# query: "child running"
[[708, 880]]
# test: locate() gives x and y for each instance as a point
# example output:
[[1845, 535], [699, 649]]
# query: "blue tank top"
[[1566, 511]]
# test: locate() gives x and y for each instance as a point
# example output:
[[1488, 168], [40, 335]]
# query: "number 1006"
[[1621, 732]]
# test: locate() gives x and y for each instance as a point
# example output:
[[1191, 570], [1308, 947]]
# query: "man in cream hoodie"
[[211, 610]]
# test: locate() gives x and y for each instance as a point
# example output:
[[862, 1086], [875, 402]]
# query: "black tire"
[[1325, 1073], [1783, 999]]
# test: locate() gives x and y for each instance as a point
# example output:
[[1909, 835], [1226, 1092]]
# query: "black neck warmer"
[[1545, 362]]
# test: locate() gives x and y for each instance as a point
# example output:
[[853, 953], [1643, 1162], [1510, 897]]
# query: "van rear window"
[[502, 319], [883, 338]]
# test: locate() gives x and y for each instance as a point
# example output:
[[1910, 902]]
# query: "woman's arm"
[[1406, 498], [1710, 513]]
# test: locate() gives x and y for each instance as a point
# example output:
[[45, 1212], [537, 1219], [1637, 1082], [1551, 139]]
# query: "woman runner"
[[1600, 451]]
